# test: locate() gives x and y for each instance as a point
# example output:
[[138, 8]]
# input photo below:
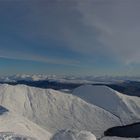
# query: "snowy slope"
[[127, 108], [53, 110], [18, 126]]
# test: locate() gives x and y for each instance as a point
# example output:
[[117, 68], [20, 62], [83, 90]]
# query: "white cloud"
[[118, 24]]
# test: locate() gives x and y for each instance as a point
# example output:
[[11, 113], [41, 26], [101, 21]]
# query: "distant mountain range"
[[125, 85]]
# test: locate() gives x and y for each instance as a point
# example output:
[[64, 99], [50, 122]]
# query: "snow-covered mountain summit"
[[42, 114], [54, 110], [127, 108]]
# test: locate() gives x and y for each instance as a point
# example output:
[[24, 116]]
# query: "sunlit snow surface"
[[47, 114]]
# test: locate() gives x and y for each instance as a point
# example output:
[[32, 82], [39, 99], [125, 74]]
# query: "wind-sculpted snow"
[[73, 135], [127, 108], [53, 110]]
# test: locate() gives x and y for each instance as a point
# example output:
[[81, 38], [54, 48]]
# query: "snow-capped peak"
[[127, 108], [54, 110]]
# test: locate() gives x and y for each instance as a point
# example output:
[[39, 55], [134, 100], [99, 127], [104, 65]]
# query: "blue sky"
[[79, 37]]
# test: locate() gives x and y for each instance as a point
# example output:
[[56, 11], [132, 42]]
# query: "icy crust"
[[127, 108], [54, 110], [73, 135]]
